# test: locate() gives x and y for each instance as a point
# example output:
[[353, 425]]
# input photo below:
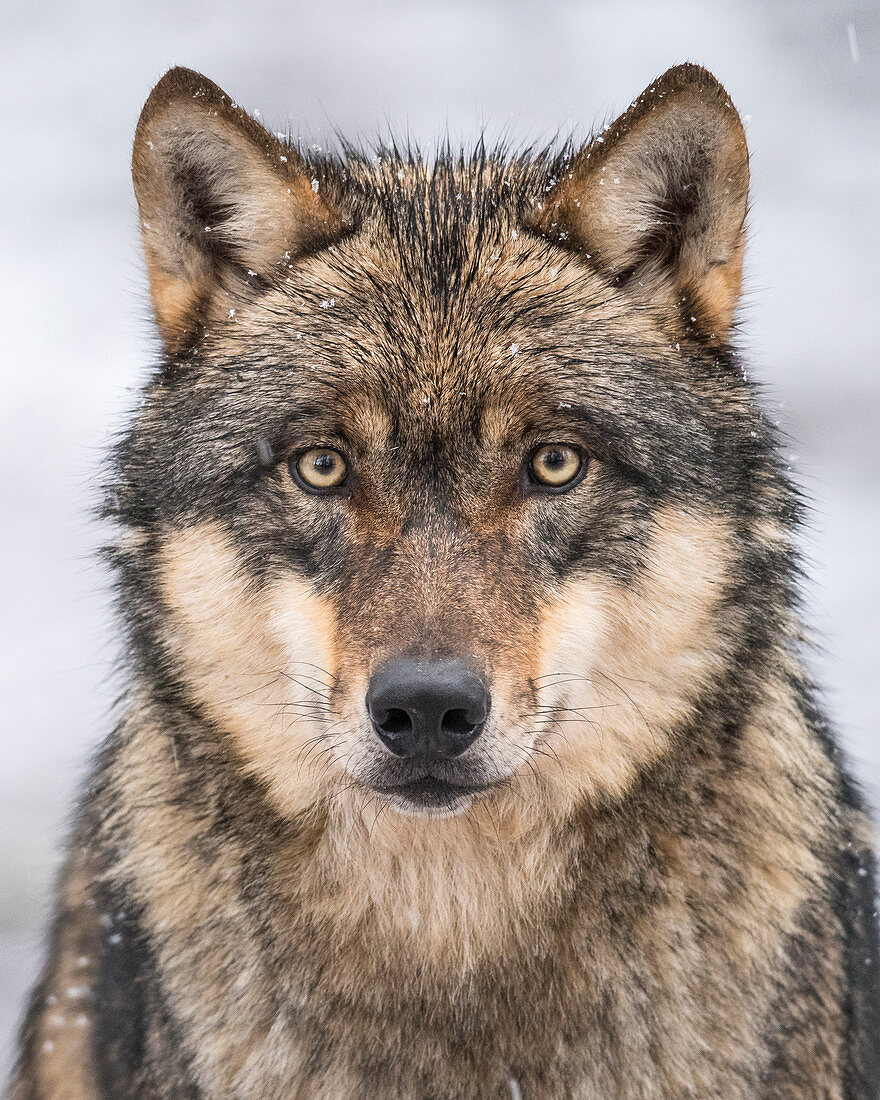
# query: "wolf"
[[468, 749]]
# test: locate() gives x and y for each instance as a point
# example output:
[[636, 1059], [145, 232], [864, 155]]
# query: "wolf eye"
[[556, 466], [319, 469]]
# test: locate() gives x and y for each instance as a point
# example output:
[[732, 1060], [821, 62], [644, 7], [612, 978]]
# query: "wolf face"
[[450, 495]]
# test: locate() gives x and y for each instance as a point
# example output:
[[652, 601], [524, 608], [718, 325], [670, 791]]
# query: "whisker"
[[552, 708], [298, 680], [323, 671], [559, 683]]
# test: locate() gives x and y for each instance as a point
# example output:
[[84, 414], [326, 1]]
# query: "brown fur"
[[404, 924], [659, 890]]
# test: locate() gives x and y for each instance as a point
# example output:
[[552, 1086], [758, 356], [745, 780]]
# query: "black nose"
[[427, 710]]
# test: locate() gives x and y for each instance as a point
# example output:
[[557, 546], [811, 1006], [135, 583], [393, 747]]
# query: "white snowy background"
[[76, 340]]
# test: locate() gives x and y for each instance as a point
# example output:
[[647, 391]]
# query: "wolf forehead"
[[435, 280], [441, 314]]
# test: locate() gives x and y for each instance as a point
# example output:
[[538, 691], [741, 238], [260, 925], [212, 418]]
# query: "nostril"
[[457, 721], [395, 722]]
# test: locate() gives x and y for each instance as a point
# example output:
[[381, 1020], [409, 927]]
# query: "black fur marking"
[[856, 908], [120, 997], [128, 1004]]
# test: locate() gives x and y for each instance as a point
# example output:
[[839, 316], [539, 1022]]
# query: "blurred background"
[[75, 330]]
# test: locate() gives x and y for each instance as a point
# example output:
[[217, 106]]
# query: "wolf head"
[[449, 491]]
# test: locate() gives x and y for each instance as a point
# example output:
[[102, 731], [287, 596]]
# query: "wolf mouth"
[[432, 795]]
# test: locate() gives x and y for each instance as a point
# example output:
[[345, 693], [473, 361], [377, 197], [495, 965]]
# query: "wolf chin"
[[468, 750]]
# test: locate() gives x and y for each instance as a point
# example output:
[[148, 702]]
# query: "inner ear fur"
[[223, 203], [659, 200]]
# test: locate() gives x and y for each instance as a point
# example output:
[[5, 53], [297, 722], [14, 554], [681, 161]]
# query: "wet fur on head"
[[657, 881], [444, 326]]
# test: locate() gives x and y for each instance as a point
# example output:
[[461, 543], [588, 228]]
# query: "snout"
[[427, 711], [427, 714]]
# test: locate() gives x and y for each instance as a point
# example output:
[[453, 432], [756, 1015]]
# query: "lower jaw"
[[408, 808]]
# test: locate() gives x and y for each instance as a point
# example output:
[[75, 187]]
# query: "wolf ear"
[[221, 201], [659, 200]]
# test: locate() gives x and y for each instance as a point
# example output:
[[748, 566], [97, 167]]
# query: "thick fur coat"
[[649, 875]]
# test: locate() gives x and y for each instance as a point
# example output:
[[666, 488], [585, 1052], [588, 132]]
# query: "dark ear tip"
[[184, 92], [181, 77], [179, 83], [688, 76]]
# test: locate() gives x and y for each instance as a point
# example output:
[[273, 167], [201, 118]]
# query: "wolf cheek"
[[624, 666], [258, 664]]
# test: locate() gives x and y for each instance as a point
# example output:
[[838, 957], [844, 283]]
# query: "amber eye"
[[556, 466], [319, 469]]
